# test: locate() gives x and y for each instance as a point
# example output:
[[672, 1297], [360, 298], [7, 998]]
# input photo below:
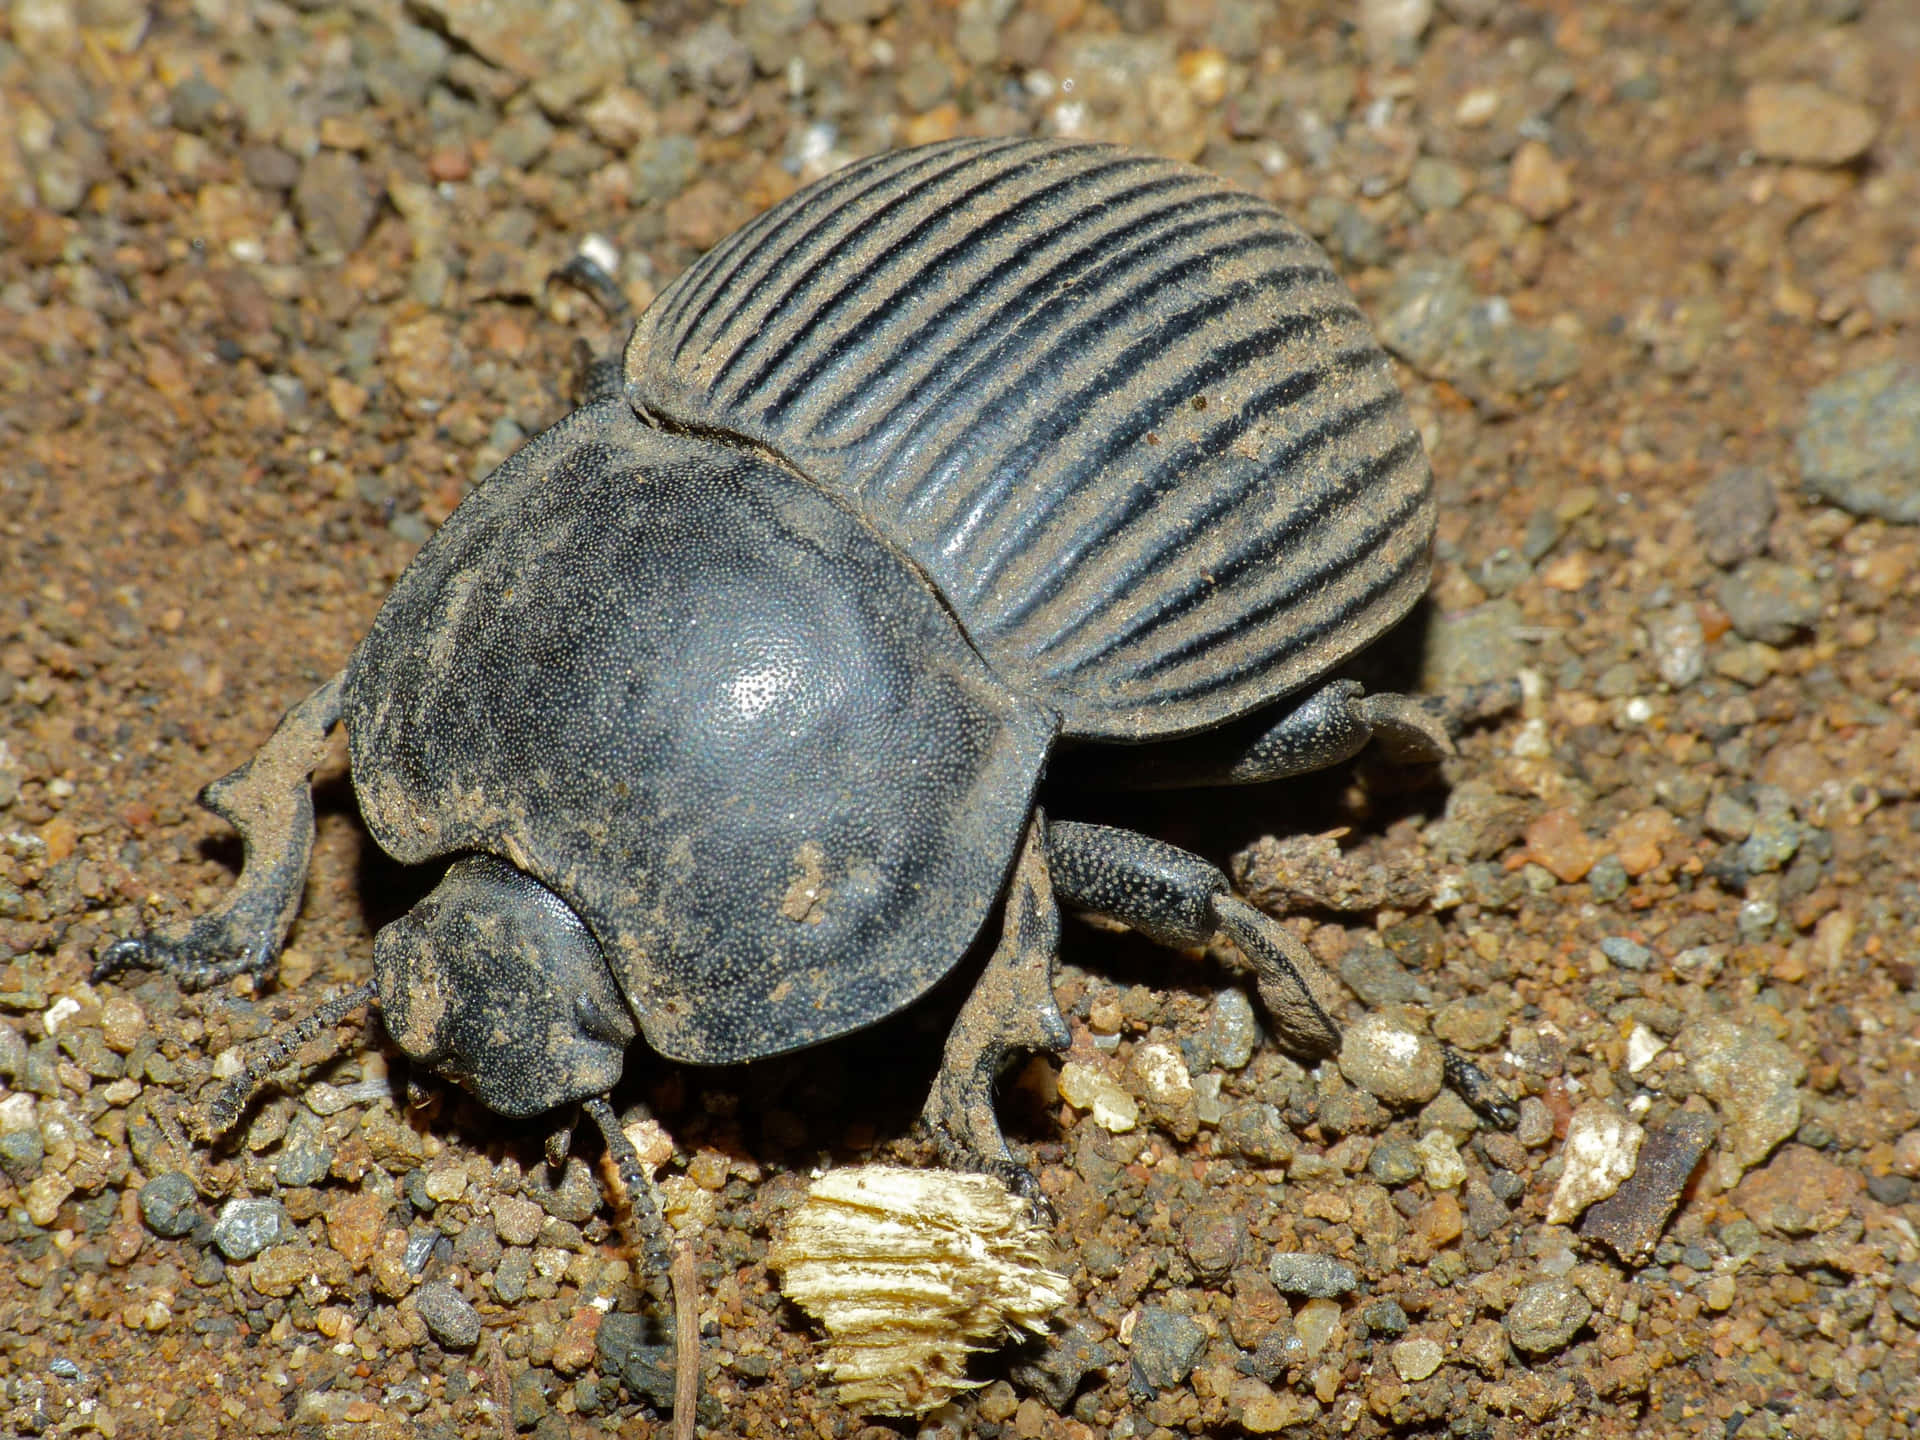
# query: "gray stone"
[[305, 1157], [1385, 1317], [1256, 1131], [1432, 318], [1232, 1030], [1473, 647], [628, 1349], [1627, 954], [246, 1227], [1608, 880], [1166, 1347], [1318, 1277], [1859, 445], [449, 1317], [1733, 514], [22, 1152], [715, 61], [1679, 645], [567, 50], [195, 105], [1394, 1161], [1770, 602], [333, 203], [1548, 1314], [1064, 1361]]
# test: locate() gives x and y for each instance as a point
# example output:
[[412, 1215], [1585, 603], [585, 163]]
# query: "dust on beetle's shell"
[[911, 1271]]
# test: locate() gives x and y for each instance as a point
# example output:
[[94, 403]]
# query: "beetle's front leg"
[[1011, 1009], [269, 800]]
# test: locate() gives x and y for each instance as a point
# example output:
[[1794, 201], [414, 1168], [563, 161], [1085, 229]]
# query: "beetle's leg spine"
[[642, 1200], [235, 1094]]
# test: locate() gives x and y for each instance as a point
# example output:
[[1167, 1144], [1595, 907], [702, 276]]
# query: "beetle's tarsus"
[[1298, 995], [643, 1202], [1011, 1009], [225, 1107], [589, 275], [601, 375], [269, 800]]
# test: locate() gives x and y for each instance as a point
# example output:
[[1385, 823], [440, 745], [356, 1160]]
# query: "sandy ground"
[[272, 299]]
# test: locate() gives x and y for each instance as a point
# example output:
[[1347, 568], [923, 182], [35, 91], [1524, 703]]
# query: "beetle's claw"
[[141, 952], [1025, 1184]]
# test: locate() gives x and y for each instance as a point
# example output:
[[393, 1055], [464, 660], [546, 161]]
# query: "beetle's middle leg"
[[269, 800], [1176, 898], [1011, 1009]]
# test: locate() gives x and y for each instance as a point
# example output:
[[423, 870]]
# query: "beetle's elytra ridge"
[[1125, 417]]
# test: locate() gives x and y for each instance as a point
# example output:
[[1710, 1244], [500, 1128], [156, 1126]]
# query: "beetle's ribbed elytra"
[[1126, 418], [730, 698]]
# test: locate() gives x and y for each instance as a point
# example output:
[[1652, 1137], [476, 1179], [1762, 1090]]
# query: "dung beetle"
[[730, 695]]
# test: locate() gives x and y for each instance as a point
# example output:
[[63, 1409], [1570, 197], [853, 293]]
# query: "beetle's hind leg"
[[269, 800], [602, 375], [1332, 724], [1175, 897], [1011, 1009]]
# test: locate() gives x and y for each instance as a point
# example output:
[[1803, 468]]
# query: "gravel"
[[273, 298]]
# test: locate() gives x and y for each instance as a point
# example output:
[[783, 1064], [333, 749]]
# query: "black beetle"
[[732, 691]]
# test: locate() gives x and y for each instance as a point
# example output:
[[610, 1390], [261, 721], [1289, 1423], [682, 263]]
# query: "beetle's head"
[[493, 981]]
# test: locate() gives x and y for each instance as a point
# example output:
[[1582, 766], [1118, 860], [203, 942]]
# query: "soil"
[[273, 298]]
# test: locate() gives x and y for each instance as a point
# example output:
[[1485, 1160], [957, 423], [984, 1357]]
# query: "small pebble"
[[1560, 844], [1416, 1359], [1733, 515], [1601, 1148], [1807, 125], [1256, 1130], [1547, 1314], [1316, 1276], [168, 1204], [1770, 602], [1679, 645], [1214, 1240], [1314, 1326], [449, 1318], [1539, 185], [1166, 1346], [1859, 446], [1232, 1030], [1440, 1160], [1088, 1088], [1627, 954], [245, 1227], [517, 1221], [1391, 1060], [1752, 1079], [1394, 1161], [1643, 1047]]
